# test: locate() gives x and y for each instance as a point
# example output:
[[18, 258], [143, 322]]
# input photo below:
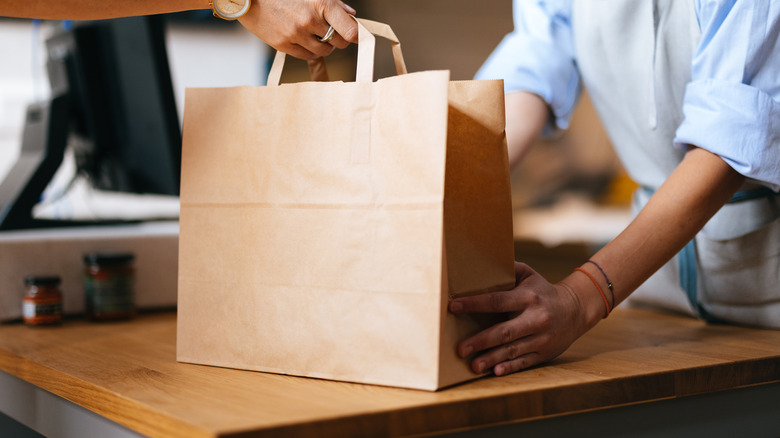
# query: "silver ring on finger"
[[328, 35]]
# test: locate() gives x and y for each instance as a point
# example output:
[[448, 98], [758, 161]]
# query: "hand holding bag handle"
[[365, 60]]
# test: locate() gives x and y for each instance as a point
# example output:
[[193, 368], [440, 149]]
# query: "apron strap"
[[688, 264]]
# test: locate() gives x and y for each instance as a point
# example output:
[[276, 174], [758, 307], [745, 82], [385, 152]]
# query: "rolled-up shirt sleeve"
[[732, 104], [538, 57]]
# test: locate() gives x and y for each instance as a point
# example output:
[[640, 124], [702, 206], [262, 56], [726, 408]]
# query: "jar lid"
[[109, 259], [42, 280]]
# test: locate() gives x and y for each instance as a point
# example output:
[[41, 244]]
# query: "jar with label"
[[108, 286], [42, 303]]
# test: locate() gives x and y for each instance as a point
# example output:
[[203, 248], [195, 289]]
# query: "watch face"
[[231, 9]]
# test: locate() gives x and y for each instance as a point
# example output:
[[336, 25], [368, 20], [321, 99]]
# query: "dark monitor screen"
[[112, 102], [125, 129]]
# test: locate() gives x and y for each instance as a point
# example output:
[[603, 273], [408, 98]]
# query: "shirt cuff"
[[538, 68], [738, 122]]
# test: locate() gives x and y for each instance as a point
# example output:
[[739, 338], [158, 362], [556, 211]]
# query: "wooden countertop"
[[127, 372]]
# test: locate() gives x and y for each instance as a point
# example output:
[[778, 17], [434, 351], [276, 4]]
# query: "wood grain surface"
[[127, 372]]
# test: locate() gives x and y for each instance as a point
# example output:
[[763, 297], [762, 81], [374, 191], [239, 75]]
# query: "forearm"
[[95, 9], [693, 193], [526, 115]]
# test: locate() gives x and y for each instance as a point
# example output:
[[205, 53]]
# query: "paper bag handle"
[[366, 45], [365, 59]]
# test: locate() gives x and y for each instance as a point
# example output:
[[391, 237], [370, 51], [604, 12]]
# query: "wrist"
[[591, 302]]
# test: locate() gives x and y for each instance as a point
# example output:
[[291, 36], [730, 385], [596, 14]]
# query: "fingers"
[[339, 15], [299, 51], [527, 338], [317, 47], [494, 302], [515, 300], [506, 349], [500, 334], [348, 9], [508, 358], [296, 26], [517, 364], [338, 41]]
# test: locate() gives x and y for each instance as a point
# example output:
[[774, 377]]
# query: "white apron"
[[635, 61]]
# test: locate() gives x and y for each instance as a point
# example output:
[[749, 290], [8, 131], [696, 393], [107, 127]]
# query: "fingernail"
[[479, 367], [350, 10], [456, 306], [467, 350], [498, 370]]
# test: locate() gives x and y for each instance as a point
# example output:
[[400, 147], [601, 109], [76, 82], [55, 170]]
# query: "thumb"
[[523, 272]]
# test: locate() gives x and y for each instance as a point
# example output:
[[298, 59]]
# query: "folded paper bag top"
[[328, 243]]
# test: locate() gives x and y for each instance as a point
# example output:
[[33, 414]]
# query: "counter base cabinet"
[[27, 411]]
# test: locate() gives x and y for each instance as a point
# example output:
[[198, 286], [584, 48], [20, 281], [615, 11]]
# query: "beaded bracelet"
[[604, 297], [609, 283]]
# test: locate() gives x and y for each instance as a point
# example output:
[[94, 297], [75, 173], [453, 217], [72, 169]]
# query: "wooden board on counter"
[[127, 372]]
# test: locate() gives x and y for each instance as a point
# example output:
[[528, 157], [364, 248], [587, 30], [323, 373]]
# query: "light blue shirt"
[[731, 104]]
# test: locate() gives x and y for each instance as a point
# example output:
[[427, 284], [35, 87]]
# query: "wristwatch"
[[230, 9]]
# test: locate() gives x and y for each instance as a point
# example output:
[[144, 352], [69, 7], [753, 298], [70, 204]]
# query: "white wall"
[[18, 76]]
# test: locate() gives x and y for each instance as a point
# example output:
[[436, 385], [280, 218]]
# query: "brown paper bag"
[[325, 225]]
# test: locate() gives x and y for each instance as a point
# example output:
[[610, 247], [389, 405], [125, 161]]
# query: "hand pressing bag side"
[[325, 225]]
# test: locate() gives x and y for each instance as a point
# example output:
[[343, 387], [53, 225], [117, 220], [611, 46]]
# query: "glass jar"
[[42, 303], [108, 286]]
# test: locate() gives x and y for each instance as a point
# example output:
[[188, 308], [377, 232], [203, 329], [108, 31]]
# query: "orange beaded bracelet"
[[603, 296]]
